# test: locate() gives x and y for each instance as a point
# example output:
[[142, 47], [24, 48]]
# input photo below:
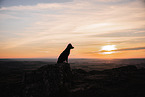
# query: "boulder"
[[48, 81]]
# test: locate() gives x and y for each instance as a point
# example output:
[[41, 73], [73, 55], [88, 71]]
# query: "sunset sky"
[[96, 28]]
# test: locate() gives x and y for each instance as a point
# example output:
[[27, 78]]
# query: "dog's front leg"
[[67, 59]]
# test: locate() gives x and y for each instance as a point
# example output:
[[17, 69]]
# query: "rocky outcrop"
[[48, 81]]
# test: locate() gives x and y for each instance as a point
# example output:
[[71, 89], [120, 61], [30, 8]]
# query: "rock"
[[48, 81]]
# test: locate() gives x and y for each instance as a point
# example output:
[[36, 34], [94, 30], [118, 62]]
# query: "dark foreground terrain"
[[126, 81], [60, 81]]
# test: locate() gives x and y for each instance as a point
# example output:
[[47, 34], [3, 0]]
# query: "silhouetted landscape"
[[72, 48], [80, 78]]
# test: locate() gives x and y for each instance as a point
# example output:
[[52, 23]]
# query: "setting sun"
[[108, 49]]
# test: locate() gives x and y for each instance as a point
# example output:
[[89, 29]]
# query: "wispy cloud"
[[123, 49], [128, 33], [34, 7], [136, 48], [7, 3]]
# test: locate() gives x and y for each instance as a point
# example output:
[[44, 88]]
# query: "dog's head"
[[70, 46]]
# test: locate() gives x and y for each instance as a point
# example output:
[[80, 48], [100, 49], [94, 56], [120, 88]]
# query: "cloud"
[[109, 0], [123, 49], [133, 40], [132, 33], [7, 3], [136, 48], [143, 1], [41, 6]]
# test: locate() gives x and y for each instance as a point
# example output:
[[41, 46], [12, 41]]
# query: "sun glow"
[[108, 49]]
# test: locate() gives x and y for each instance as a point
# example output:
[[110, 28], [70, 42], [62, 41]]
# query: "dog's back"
[[64, 55]]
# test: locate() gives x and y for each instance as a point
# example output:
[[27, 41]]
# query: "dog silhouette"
[[64, 55]]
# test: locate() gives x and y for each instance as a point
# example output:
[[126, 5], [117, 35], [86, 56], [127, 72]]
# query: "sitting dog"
[[64, 55]]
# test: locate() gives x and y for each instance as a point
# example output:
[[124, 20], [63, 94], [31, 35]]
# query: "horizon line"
[[74, 58]]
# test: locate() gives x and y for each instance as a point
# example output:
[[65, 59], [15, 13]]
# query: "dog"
[[64, 55]]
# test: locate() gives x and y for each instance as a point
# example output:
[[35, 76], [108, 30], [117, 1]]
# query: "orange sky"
[[43, 29]]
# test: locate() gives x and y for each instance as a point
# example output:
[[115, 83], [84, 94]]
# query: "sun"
[[108, 49]]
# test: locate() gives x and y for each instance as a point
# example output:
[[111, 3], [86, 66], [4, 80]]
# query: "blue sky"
[[40, 27]]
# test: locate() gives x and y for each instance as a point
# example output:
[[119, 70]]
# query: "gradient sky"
[[43, 28]]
